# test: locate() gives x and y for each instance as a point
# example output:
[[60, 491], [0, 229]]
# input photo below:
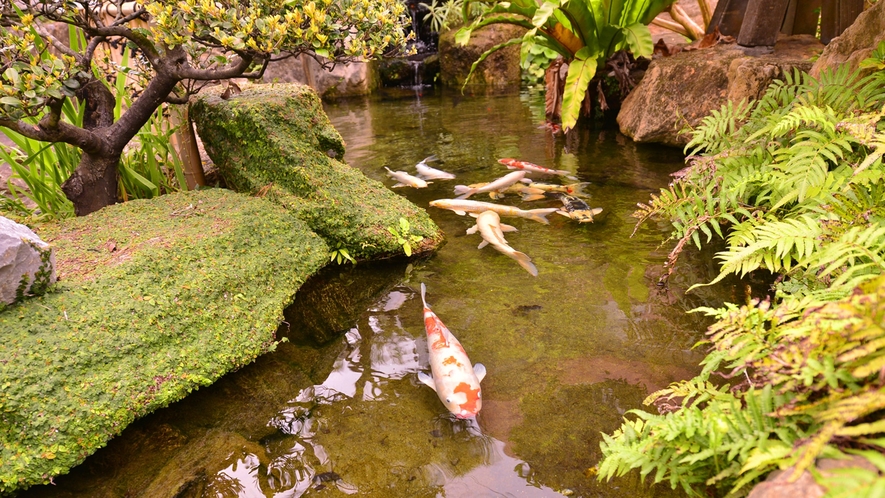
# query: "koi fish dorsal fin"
[[426, 379], [480, 370], [424, 291]]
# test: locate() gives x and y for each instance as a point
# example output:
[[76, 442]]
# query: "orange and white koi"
[[455, 381], [489, 226], [464, 206], [527, 166], [498, 185], [405, 179]]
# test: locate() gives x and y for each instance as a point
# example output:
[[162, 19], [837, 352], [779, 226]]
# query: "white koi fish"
[[496, 186], [489, 226], [527, 166], [405, 179], [428, 173], [455, 381], [464, 206], [527, 193]]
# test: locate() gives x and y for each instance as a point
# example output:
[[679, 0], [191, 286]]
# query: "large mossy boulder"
[[155, 299], [277, 141], [498, 73], [678, 92]]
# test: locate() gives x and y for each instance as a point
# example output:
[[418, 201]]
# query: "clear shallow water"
[[567, 352]]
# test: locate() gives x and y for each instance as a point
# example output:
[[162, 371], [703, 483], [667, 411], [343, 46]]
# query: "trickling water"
[[416, 70], [567, 352]]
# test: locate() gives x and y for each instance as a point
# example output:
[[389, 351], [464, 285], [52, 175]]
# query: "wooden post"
[[185, 142], [836, 16], [728, 16], [806, 18], [762, 22]]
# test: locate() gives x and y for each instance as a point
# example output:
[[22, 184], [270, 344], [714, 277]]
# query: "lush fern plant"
[[792, 176], [795, 185]]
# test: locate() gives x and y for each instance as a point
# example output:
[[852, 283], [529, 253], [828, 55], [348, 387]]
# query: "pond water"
[[567, 352]]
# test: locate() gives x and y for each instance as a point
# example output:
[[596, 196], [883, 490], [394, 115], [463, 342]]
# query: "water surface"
[[567, 352]]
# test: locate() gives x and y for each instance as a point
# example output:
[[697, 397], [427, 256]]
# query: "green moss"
[[276, 139], [155, 299]]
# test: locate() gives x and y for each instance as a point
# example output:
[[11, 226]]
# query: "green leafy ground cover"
[[276, 140], [155, 299]]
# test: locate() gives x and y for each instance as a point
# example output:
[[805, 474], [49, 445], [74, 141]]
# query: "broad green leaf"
[[12, 76], [542, 15], [583, 22], [638, 39], [462, 36], [580, 72]]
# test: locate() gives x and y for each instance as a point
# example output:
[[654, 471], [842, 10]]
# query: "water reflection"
[[338, 409]]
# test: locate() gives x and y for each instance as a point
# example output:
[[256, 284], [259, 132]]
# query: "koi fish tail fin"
[[424, 291], [464, 191], [577, 189], [540, 215], [525, 262]]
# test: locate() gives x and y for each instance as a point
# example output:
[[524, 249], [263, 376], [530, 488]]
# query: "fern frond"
[[775, 246], [716, 131]]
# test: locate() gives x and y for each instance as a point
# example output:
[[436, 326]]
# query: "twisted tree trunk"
[[93, 185]]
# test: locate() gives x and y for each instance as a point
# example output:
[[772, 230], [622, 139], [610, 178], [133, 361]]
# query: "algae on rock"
[[276, 140], [155, 299]]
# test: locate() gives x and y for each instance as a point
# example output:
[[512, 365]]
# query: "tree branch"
[[155, 93], [256, 75], [57, 44], [62, 132], [234, 70], [142, 42], [178, 99]]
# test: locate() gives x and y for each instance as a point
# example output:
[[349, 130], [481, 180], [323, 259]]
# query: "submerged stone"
[[275, 140]]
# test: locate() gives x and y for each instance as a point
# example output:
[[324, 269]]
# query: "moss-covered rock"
[[500, 72], [155, 299], [276, 139]]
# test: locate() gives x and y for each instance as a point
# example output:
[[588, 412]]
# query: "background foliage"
[[794, 183], [585, 33]]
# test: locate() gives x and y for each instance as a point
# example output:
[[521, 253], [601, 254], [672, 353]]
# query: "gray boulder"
[[27, 264]]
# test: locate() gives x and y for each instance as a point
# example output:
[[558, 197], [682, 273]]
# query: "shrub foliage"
[[794, 184]]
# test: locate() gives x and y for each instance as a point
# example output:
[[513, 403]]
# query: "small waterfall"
[[417, 70]]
